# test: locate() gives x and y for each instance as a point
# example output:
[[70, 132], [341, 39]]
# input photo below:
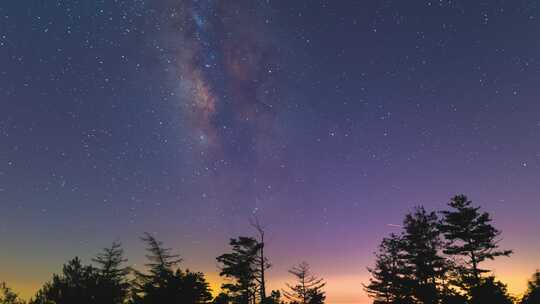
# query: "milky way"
[[226, 63], [224, 69]]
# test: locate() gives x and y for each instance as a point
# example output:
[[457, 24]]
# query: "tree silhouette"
[[160, 259], [532, 295], [308, 288], [389, 282], [222, 298], [261, 262], [453, 298], [422, 244], [85, 284], [190, 288], [490, 291], [274, 298], [164, 282], [77, 284], [160, 268], [411, 267], [8, 296], [113, 284], [471, 237], [241, 267]]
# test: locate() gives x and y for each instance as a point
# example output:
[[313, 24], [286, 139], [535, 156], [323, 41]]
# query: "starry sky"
[[329, 120]]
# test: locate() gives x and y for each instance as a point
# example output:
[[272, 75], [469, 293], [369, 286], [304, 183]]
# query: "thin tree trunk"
[[263, 266], [475, 270], [262, 261]]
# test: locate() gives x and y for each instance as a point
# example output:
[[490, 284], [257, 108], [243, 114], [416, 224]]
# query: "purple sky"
[[328, 119]]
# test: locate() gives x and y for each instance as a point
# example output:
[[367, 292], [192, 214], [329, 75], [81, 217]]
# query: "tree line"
[[109, 281], [437, 258]]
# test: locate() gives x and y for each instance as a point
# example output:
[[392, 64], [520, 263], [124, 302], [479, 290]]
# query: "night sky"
[[329, 120]]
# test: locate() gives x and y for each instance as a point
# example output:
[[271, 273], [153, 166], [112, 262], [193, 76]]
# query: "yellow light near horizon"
[[341, 289]]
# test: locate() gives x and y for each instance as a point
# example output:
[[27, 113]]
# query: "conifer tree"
[[532, 295], [471, 238], [160, 259], [77, 284], [222, 298], [389, 280], [490, 291], [241, 267], [308, 289], [424, 265], [113, 284], [8, 296], [189, 288], [274, 298], [165, 282]]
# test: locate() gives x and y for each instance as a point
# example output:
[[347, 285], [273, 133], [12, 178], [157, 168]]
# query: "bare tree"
[[262, 260]]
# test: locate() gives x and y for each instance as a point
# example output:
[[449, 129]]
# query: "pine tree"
[[160, 259], [532, 296], [490, 291], [222, 298], [241, 267], [113, 284], [165, 282], [189, 288], [471, 238], [8, 296], [308, 288], [389, 280], [153, 287], [422, 245], [77, 284], [274, 298]]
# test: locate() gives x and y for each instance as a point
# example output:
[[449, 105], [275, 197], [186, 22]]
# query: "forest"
[[437, 258]]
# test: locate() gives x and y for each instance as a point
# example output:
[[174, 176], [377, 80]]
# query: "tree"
[[240, 266], [8, 296], [274, 298], [388, 282], [190, 288], [77, 284], [222, 298], [532, 295], [164, 282], [423, 264], [308, 288], [160, 269], [84, 284], [471, 238], [113, 284], [262, 263], [453, 298], [490, 291], [160, 259]]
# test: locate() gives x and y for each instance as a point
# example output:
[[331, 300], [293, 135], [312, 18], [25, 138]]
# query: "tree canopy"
[[437, 260]]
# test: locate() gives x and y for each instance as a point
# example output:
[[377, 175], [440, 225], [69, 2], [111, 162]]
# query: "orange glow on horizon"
[[340, 289]]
